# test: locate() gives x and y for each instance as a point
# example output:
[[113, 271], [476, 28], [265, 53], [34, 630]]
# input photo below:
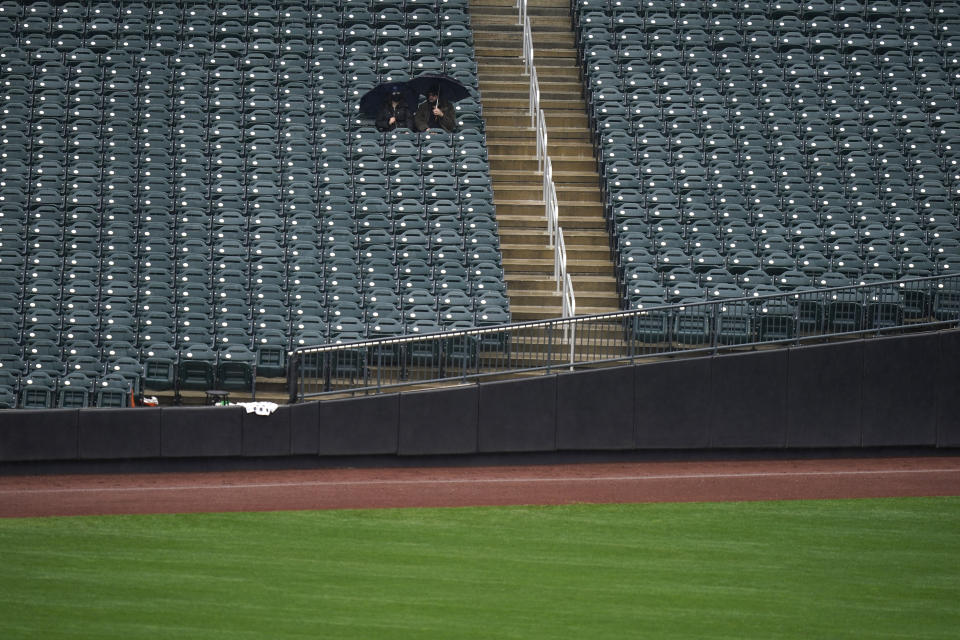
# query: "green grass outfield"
[[819, 569]]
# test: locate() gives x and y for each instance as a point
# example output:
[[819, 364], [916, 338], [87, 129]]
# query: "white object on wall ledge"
[[259, 408]]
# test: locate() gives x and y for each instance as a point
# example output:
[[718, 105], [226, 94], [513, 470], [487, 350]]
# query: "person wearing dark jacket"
[[394, 113], [434, 113]]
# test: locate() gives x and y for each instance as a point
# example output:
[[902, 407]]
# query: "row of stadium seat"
[[182, 204], [751, 150]]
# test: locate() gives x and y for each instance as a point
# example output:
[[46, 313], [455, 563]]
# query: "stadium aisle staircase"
[[528, 260]]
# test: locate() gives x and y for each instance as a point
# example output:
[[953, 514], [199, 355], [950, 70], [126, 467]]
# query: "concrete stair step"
[[593, 238], [506, 67], [545, 298], [531, 338], [575, 193], [525, 148], [590, 309], [579, 179], [585, 283], [557, 138], [525, 268], [514, 49], [519, 86], [601, 302], [495, 27], [567, 84], [572, 223], [528, 260], [547, 31], [558, 97], [572, 215], [575, 239], [586, 252], [519, 284], [547, 13], [537, 221], [524, 313], [523, 251], [515, 239], [567, 119], [535, 344], [518, 171], [552, 36], [504, 153], [545, 265], [595, 284], [511, 80], [511, 191], [511, 4], [501, 31], [548, 64], [521, 100], [508, 220], [565, 194]]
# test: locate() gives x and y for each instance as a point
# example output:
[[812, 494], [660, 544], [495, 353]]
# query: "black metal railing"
[[695, 326]]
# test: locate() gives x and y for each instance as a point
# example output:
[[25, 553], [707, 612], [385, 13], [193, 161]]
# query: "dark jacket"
[[424, 119], [401, 112]]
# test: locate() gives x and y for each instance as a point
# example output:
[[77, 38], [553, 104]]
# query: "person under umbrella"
[[394, 112], [435, 113]]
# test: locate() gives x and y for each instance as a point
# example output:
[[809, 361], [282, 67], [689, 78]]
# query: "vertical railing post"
[[714, 325], [549, 346]]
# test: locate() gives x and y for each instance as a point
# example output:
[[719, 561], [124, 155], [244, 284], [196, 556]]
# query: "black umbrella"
[[449, 88], [372, 100]]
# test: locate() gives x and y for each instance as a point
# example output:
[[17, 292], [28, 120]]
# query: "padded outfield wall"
[[884, 392]]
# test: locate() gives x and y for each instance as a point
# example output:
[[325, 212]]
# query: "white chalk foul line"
[[476, 481]]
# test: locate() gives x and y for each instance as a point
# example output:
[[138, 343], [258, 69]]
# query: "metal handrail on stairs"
[[552, 209], [555, 235]]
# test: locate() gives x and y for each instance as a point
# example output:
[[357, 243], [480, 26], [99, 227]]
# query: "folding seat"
[[671, 257], [882, 309], [942, 247], [776, 261], [448, 15], [704, 241], [347, 328], [387, 15], [681, 285], [844, 312], [917, 266], [37, 390], [233, 329], [384, 327], [195, 368], [792, 279], [830, 279], [77, 386], [812, 263], [419, 305], [129, 368], [908, 246], [459, 66], [946, 301]]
